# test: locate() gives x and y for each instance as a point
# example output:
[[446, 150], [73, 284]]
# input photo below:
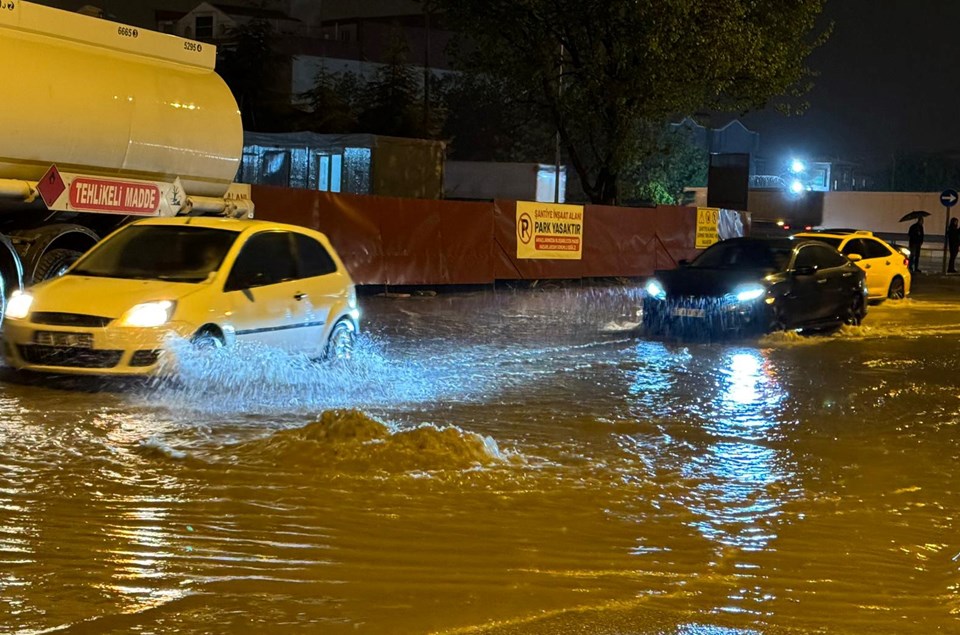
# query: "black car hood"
[[704, 282]]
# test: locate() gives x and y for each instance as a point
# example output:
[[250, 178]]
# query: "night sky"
[[890, 80]]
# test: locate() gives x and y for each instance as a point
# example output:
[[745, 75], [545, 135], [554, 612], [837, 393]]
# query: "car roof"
[[837, 233], [217, 222], [786, 242]]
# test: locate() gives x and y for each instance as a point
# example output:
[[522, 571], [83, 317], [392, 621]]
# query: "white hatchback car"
[[212, 280]]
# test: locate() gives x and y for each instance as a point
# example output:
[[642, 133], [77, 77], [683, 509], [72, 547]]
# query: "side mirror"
[[806, 270], [854, 257]]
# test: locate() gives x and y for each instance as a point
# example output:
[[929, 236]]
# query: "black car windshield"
[[178, 253], [744, 255]]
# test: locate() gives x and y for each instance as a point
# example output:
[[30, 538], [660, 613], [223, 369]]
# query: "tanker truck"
[[102, 123]]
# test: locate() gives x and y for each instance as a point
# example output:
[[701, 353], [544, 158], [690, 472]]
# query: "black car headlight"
[[749, 292], [655, 290]]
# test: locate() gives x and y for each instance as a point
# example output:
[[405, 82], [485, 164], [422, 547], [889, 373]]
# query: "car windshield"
[[178, 253], [744, 255]]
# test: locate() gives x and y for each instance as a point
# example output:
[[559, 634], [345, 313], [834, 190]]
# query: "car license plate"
[[57, 338], [684, 312]]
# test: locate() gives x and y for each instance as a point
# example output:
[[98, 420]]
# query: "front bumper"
[[122, 351], [704, 316]]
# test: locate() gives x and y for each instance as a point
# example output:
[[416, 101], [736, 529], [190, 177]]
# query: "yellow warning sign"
[[708, 223], [549, 230]]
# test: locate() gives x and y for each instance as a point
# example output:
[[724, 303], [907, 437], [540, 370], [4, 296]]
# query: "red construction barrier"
[[396, 241]]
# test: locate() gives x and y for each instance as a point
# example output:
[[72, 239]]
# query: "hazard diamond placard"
[[51, 186]]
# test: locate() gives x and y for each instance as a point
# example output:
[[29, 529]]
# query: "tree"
[[257, 74], [486, 123], [334, 103], [675, 161], [603, 71], [394, 105]]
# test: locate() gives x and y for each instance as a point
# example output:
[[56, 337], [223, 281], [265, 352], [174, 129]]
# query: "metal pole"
[[426, 72], [556, 176]]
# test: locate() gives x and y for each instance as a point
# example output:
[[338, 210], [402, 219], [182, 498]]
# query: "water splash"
[[251, 378]]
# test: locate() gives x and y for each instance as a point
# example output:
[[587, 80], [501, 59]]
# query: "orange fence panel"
[[398, 241]]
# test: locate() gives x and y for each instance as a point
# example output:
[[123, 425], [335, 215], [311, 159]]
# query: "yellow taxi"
[[888, 275], [214, 281]]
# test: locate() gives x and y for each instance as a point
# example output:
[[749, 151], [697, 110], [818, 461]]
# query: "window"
[[742, 255], [819, 257], [159, 252], [313, 258], [275, 168], [329, 170], [265, 259], [204, 26], [875, 249], [855, 246]]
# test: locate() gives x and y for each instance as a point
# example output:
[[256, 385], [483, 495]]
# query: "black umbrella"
[[914, 215]]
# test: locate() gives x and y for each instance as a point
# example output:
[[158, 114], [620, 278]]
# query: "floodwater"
[[509, 462]]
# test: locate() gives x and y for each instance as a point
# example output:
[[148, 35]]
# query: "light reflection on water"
[[495, 465], [738, 479]]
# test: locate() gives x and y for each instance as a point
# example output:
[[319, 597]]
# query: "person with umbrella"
[[915, 239]]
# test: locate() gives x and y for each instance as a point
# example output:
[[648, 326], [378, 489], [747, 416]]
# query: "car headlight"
[[654, 289], [148, 314], [749, 292], [18, 306]]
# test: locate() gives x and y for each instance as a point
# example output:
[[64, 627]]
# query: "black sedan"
[[755, 286]]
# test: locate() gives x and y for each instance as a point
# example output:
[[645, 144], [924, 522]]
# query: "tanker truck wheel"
[[54, 263]]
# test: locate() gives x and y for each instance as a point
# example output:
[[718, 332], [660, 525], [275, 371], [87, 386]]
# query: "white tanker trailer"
[[101, 123]]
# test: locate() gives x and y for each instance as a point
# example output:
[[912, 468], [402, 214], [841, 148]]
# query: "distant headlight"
[[148, 314], [654, 289], [18, 307], [749, 292]]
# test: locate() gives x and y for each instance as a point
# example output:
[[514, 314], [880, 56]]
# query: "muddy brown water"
[[500, 462]]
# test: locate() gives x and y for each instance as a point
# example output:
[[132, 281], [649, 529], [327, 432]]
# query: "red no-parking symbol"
[[525, 228]]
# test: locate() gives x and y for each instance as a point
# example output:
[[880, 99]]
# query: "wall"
[[881, 212], [487, 180], [398, 241]]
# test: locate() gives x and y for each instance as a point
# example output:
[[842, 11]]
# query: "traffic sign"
[[948, 198]]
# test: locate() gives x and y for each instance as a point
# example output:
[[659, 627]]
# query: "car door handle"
[[867, 266], [822, 281], [299, 296], [847, 275]]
